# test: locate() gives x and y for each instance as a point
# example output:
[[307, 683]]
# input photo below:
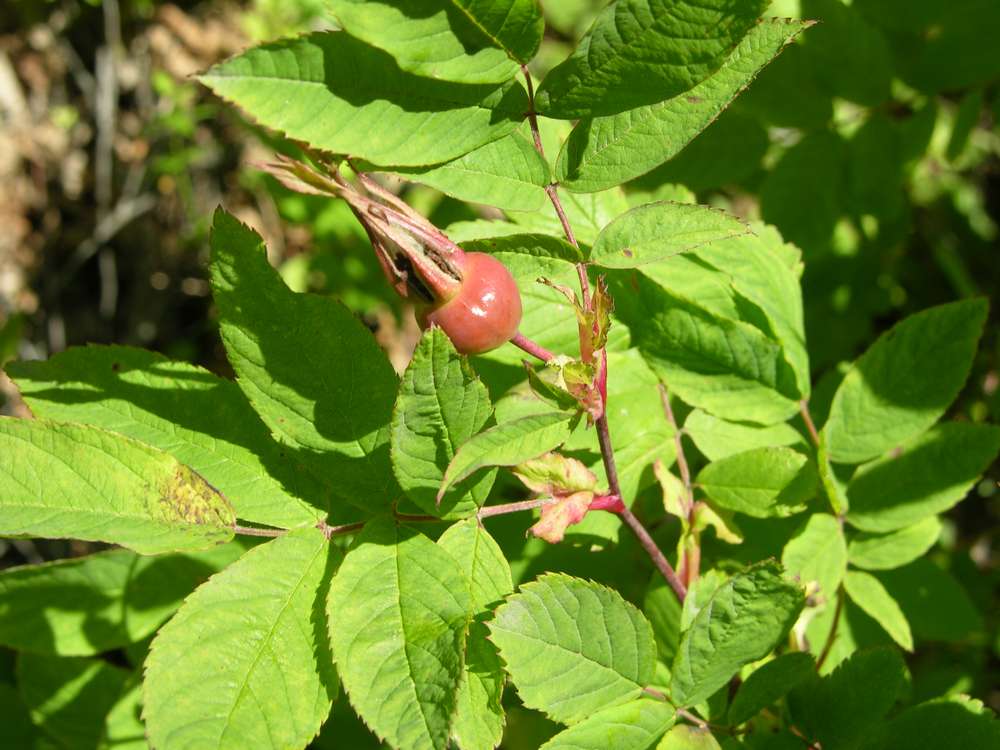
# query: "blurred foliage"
[[873, 144]]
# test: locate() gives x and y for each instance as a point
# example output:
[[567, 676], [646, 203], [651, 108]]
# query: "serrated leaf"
[[200, 419], [727, 367], [868, 593], [507, 444], [430, 38], [244, 662], [894, 549], [89, 605], [340, 95], [69, 697], [479, 716], [573, 647], [639, 52], [608, 151], [507, 173], [655, 231], [309, 367], [636, 725], [841, 709], [904, 382], [818, 554], [399, 611], [761, 482], [927, 475], [72, 481], [719, 439], [745, 619], [441, 404], [768, 684]]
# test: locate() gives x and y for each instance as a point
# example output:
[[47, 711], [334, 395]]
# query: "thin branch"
[[647, 542], [807, 418], [535, 350], [682, 463], [832, 637], [532, 115], [500, 510], [253, 531], [347, 528]]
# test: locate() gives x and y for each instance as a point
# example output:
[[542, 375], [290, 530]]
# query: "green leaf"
[[663, 610], [200, 419], [587, 214], [955, 721], [841, 709], [935, 605], [337, 93], [514, 25], [927, 475], [69, 698], [479, 717], [429, 38], [441, 405], [904, 382], [818, 553], [639, 52], [726, 367], [398, 611], [18, 730], [719, 439], [894, 549], [573, 647], [507, 444], [123, 727], [768, 684], [71, 481], [636, 725], [507, 173], [244, 662], [89, 605], [308, 366], [745, 619], [526, 246], [688, 737], [868, 593], [608, 151], [865, 75], [655, 231], [761, 482]]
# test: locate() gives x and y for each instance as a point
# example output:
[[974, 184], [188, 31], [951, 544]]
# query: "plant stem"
[[253, 531], [692, 555], [807, 418], [535, 350], [828, 646], [500, 510], [603, 435]]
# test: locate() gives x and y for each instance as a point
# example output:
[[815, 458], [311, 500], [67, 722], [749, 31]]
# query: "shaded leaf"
[[200, 419], [768, 684], [309, 367], [639, 52], [904, 382], [607, 151], [868, 593]]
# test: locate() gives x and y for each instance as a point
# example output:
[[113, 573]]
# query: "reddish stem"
[[610, 503], [535, 350], [807, 418]]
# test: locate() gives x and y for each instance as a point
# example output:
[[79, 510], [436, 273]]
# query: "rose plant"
[[603, 492]]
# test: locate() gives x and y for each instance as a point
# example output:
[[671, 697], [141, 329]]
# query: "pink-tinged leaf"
[[555, 475], [557, 516]]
